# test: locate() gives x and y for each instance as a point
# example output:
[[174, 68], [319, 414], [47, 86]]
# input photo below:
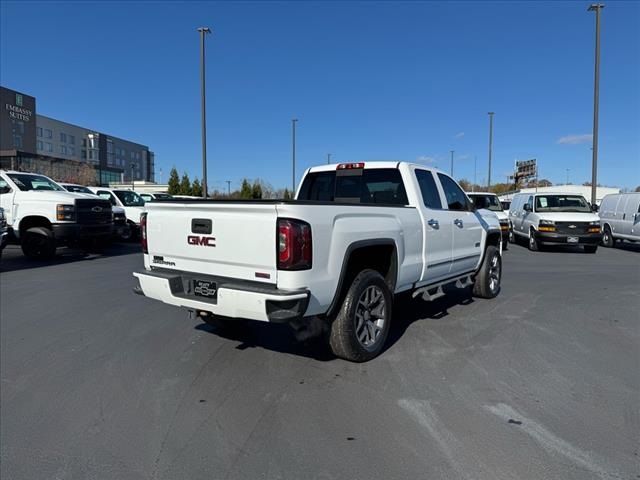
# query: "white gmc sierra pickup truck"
[[356, 234]]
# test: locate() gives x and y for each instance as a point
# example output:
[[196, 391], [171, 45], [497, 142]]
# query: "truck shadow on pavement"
[[281, 338], [13, 259]]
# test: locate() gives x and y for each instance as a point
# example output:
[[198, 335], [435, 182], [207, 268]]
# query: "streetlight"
[[490, 147], [293, 153], [475, 171], [567, 177], [595, 7], [228, 187], [452, 162], [329, 158], [203, 31], [133, 185]]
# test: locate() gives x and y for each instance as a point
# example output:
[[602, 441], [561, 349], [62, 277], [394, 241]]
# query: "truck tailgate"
[[233, 240]]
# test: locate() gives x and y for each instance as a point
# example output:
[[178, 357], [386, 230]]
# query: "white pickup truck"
[[42, 215], [355, 235]]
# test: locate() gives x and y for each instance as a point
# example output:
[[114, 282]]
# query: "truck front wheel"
[[487, 284], [38, 243], [360, 329]]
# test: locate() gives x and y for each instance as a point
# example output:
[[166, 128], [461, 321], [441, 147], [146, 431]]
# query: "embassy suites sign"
[[17, 111]]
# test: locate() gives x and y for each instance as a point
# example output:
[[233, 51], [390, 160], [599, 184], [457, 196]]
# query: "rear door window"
[[429, 190]]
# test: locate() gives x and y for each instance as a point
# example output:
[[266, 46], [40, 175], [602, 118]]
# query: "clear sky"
[[367, 81]]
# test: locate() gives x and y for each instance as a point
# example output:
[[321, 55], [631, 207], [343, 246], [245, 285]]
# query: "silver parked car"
[[620, 218]]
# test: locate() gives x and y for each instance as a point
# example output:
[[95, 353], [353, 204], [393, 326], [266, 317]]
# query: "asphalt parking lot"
[[541, 383]]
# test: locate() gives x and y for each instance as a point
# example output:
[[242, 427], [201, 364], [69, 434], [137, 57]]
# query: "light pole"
[[595, 7], [328, 158], [475, 171], [567, 177], [228, 187], [452, 162], [133, 185], [203, 31], [490, 147], [293, 153]]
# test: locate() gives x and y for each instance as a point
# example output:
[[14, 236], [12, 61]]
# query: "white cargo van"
[[554, 219], [620, 218]]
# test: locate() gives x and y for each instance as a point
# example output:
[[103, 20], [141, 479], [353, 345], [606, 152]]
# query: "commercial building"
[[35, 143]]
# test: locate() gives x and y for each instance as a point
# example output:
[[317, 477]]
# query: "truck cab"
[[42, 215]]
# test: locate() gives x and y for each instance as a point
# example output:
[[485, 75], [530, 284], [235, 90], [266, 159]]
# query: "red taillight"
[[143, 233], [294, 245], [350, 166]]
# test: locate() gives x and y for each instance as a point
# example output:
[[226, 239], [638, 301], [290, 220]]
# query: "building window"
[[39, 131], [39, 145], [83, 154], [48, 133], [72, 140], [63, 149], [17, 141], [63, 137], [48, 147], [91, 155], [84, 142], [72, 151]]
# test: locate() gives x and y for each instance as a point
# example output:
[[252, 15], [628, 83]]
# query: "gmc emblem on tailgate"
[[203, 241]]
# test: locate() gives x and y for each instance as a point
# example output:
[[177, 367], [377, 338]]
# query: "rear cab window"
[[376, 186]]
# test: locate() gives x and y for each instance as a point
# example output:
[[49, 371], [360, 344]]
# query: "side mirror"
[[594, 208], [5, 189], [527, 207]]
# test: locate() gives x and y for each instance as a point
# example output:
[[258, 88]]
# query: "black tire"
[[591, 248], [135, 232], [125, 234], [512, 236], [487, 282], [38, 243], [607, 238], [505, 245], [360, 328], [533, 243]]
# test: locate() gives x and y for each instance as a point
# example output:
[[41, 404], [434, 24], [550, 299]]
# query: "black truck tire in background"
[[38, 243]]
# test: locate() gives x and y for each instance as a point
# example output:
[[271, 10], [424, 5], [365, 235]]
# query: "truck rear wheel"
[[360, 329], [38, 243], [487, 284]]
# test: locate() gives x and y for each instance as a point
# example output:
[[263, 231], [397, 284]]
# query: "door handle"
[[433, 223], [458, 222]]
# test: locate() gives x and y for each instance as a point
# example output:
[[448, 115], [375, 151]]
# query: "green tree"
[[185, 185], [196, 188], [256, 190], [245, 190], [174, 182]]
